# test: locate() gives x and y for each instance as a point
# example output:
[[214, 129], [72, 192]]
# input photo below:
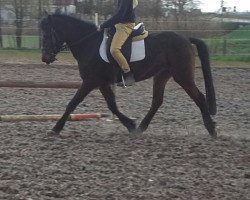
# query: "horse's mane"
[[72, 20]]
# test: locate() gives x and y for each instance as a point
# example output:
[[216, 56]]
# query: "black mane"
[[70, 19]]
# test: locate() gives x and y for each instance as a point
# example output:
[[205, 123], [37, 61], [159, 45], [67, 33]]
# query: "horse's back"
[[170, 52], [169, 36], [170, 44]]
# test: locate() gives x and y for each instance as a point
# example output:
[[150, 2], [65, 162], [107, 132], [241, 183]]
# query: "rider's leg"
[[122, 33]]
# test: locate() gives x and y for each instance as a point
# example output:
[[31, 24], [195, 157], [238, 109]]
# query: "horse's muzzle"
[[48, 59]]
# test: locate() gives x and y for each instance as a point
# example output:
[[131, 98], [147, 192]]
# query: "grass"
[[32, 56], [232, 58], [234, 46], [29, 42], [220, 63], [242, 33]]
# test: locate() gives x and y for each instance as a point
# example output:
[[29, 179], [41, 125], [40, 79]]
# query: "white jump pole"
[[72, 117]]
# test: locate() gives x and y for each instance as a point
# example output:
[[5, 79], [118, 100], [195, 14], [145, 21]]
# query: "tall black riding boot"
[[129, 78]]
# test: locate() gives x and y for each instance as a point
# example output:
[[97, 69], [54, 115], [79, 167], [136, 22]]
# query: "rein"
[[81, 40], [66, 46]]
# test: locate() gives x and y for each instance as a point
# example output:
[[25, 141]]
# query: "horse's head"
[[52, 41], [58, 29]]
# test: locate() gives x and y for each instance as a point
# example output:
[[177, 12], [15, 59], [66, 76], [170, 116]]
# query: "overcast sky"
[[214, 5]]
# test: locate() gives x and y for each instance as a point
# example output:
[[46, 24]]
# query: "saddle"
[[133, 49]]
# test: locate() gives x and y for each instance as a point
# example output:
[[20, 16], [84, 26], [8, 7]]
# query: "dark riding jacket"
[[124, 14]]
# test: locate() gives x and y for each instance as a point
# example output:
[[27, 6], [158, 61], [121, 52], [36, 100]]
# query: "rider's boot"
[[127, 79]]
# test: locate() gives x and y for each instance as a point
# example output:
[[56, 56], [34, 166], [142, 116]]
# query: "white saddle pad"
[[137, 52]]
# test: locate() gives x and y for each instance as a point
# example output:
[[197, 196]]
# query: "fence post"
[[96, 19]]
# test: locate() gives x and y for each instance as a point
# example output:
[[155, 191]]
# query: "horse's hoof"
[[211, 128], [132, 126], [213, 134], [138, 131], [52, 133]]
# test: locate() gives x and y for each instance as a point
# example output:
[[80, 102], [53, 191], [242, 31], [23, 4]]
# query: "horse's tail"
[[206, 69]]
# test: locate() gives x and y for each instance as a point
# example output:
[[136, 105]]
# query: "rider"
[[124, 22]]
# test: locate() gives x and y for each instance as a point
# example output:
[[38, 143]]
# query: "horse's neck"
[[76, 36], [83, 46]]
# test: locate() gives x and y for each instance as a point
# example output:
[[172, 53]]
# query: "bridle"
[[81, 40], [54, 48]]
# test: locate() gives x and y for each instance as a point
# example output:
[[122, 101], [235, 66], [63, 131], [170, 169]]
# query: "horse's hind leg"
[[109, 96], [192, 90], [158, 93], [81, 93]]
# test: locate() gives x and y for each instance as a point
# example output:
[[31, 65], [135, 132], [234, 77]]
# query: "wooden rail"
[[40, 84]]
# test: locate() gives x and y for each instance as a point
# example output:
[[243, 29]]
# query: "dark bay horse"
[[167, 55]]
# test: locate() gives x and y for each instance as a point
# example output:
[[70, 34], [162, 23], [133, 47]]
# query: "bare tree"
[[18, 8], [86, 6], [150, 8], [157, 9], [39, 17], [179, 8], [1, 37], [106, 8], [181, 11], [25, 9], [2, 6]]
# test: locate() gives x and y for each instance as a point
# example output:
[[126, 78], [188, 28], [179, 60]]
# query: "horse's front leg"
[[109, 96], [81, 93]]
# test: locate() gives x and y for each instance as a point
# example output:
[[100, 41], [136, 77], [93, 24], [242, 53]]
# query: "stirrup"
[[122, 83]]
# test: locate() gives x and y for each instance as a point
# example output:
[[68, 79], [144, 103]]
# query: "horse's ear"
[[49, 18], [58, 11], [47, 15]]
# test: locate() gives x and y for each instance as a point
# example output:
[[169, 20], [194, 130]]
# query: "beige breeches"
[[121, 35]]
